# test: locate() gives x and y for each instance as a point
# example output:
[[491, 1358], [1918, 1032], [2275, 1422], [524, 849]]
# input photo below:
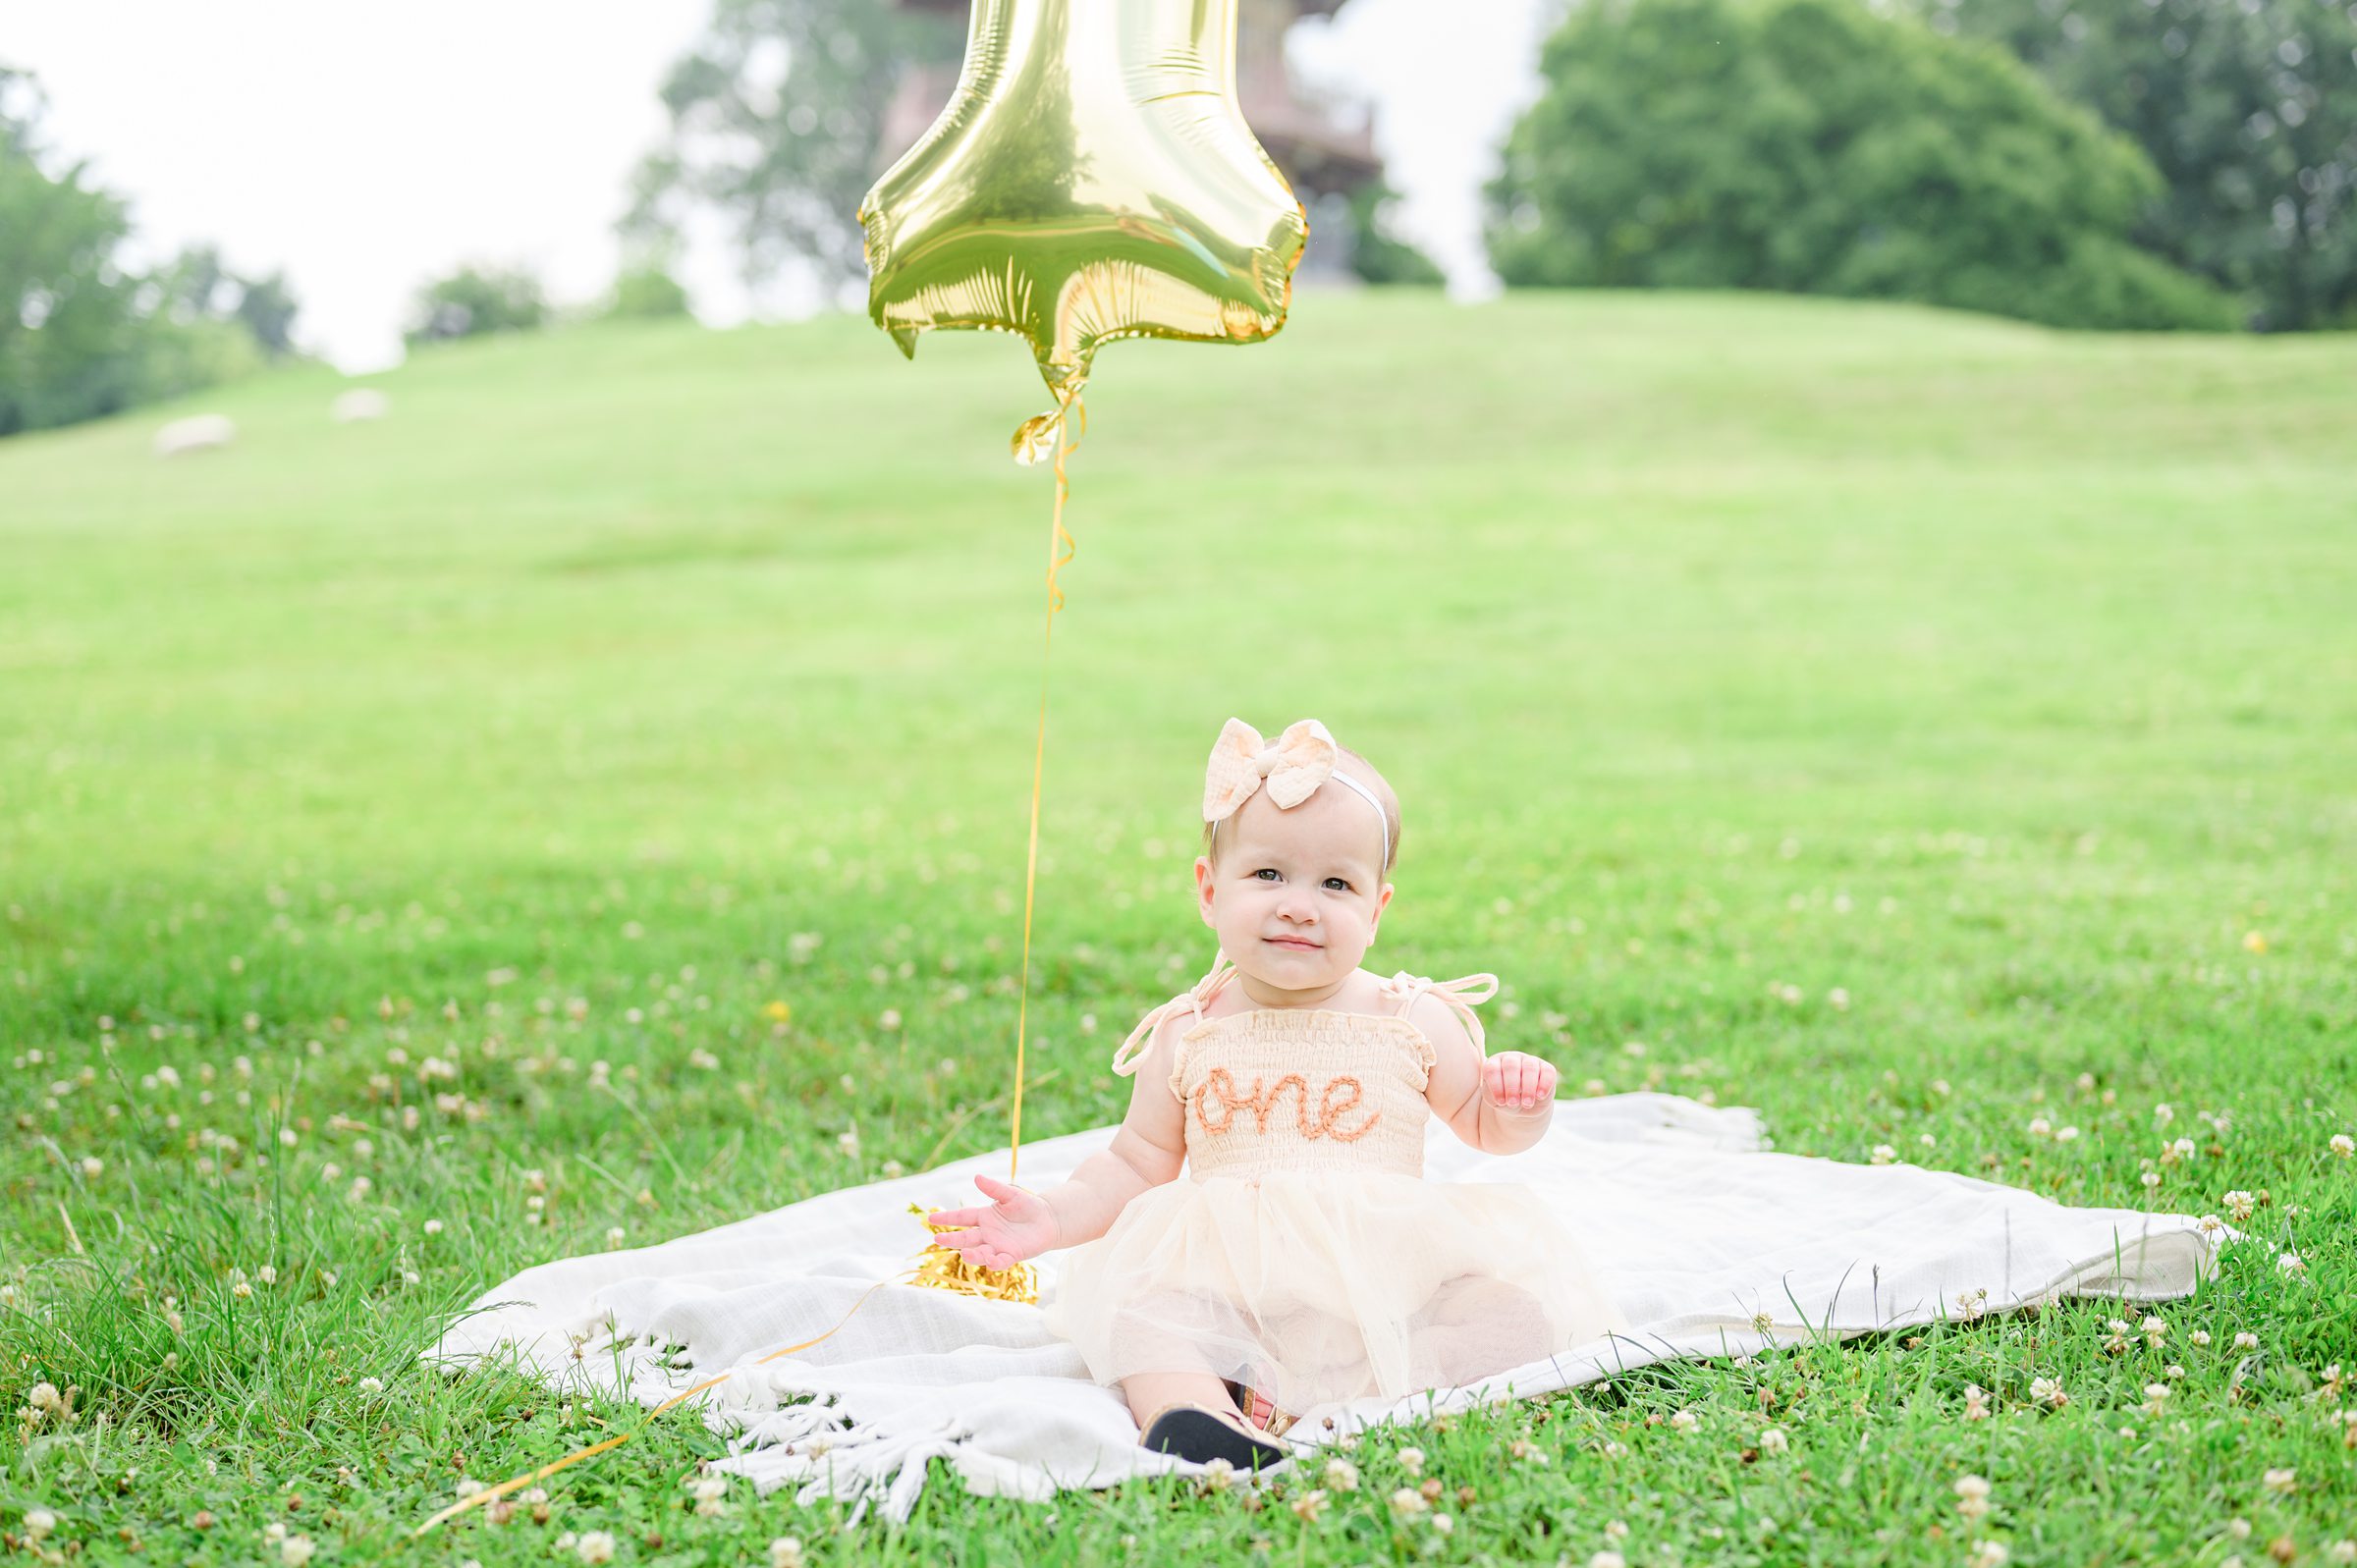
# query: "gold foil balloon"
[[1091, 179]]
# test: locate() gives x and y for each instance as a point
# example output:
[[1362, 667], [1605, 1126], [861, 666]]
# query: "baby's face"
[[1297, 895]]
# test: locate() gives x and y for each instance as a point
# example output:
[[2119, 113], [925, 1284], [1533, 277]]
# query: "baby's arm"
[[1148, 1149], [1498, 1104]]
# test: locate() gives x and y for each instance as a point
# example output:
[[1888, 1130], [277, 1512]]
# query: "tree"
[[1375, 255], [474, 300], [1811, 146], [777, 115], [198, 287], [81, 336], [69, 322], [2249, 110]]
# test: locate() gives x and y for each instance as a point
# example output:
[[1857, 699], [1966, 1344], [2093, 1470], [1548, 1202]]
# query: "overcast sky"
[[364, 149]]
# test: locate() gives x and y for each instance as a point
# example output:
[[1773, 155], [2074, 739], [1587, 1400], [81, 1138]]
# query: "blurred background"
[[259, 180]]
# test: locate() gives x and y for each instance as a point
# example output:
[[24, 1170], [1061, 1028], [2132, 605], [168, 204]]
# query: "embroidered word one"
[[1217, 1097]]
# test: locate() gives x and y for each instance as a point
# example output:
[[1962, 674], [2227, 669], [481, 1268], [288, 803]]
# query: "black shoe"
[[1195, 1434]]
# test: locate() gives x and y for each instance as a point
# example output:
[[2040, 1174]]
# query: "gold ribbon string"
[[1067, 424]]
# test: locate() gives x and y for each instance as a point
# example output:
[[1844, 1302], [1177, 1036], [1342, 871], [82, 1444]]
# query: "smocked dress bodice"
[[1281, 1089], [1304, 1089]]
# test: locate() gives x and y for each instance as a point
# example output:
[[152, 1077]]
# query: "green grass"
[[1728, 653]]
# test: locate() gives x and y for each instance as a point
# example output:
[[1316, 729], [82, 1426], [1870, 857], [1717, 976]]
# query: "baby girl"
[[1307, 1259]]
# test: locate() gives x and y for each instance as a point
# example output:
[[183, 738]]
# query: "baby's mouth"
[[1290, 942]]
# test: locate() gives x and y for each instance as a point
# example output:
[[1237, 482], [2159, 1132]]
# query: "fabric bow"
[[1302, 760]]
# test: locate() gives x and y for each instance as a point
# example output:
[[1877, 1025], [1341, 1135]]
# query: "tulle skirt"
[[1317, 1286]]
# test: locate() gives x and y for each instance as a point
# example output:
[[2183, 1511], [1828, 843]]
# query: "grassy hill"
[[1831, 698]]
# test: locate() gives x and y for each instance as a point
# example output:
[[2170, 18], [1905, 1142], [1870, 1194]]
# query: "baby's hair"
[[1359, 768]]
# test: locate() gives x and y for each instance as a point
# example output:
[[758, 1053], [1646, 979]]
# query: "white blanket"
[[1696, 1227]]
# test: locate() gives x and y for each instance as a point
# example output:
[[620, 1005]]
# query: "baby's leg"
[[1150, 1393], [1475, 1325], [1169, 1331]]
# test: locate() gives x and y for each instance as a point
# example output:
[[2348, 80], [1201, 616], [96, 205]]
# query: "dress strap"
[[1460, 994], [1195, 1000]]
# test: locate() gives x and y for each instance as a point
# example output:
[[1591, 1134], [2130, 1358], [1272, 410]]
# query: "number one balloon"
[[1091, 179]]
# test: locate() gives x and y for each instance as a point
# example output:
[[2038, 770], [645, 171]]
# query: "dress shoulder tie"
[[1461, 994], [1132, 1056]]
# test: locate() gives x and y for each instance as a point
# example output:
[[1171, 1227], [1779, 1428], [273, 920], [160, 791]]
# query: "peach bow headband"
[[1302, 759]]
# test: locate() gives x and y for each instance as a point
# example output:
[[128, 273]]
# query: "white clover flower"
[[44, 1397], [1408, 1502], [2291, 1262], [38, 1522], [614, 1236], [2239, 1204], [2239, 1529], [2156, 1395], [2280, 1479], [1685, 1421], [1774, 1440], [1615, 1529], [2062, 1135], [242, 1290], [268, 1274], [91, 1165], [1976, 1402], [1607, 1559], [2040, 1127], [1443, 1525], [2048, 1391], [2200, 1338], [785, 1551], [1219, 1474], [1988, 1554], [595, 1547], [2343, 1145], [1972, 1495], [295, 1550], [371, 1386], [1309, 1505], [2341, 1551], [1881, 1153], [1412, 1460], [2154, 1329]]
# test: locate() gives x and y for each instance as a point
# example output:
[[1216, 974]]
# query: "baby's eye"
[[1337, 882], [1266, 870]]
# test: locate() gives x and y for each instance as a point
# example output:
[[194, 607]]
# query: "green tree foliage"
[[69, 317], [2249, 110], [777, 115], [647, 292], [1375, 255], [1810, 146], [80, 335], [474, 300]]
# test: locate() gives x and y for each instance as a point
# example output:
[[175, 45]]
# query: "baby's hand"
[[1512, 1081], [1018, 1225]]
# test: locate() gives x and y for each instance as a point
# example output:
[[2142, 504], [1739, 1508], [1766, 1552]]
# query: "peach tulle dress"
[[1303, 1253]]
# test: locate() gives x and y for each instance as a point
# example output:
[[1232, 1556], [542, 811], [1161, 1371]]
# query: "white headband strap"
[[1383, 816]]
